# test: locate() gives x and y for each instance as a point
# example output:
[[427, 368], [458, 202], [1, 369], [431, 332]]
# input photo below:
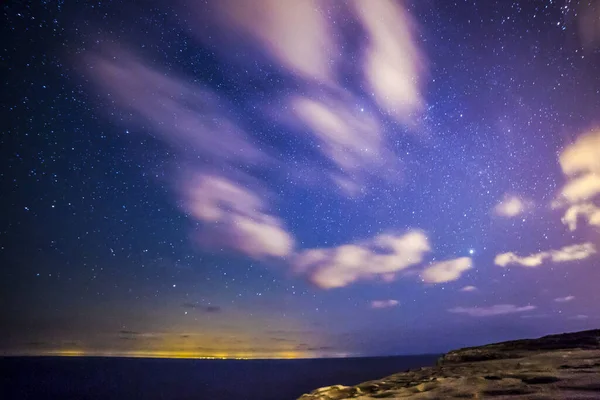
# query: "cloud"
[[281, 340], [295, 34], [582, 155], [392, 61], [126, 332], [181, 113], [236, 218], [564, 299], [535, 316], [133, 335], [382, 257], [510, 206], [446, 271], [499, 309], [588, 211], [468, 289], [567, 253], [207, 309], [580, 317], [533, 260], [352, 140], [580, 163], [384, 303], [307, 347], [348, 138]]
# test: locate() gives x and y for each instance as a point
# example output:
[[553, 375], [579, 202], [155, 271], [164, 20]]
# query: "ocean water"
[[69, 378]]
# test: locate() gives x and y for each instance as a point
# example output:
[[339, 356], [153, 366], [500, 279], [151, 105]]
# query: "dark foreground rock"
[[565, 366]]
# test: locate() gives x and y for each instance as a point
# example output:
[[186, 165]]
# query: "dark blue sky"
[[278, 179]]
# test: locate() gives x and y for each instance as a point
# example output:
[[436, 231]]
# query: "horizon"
[[284, 179], [174, 355], [150, 356]]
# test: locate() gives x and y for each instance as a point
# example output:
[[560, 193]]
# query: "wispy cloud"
[[384, 303], [352, 140], [180, 112], [468, 289], [134, 335], [510, 206], [446, 271], [393, 63], [236, 218], [297, 35], [580, 317], [499, 309], [382, 257], [567, 253], [565, 299]]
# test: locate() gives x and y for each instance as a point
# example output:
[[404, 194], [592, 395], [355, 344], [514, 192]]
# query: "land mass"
[[564, 366]]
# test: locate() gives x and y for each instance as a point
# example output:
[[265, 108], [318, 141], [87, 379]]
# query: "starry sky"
[[275, 179]]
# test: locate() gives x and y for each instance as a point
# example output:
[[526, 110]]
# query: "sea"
[[70, 378]]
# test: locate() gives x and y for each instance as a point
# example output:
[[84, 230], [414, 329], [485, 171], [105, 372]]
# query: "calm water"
[[149, 379]]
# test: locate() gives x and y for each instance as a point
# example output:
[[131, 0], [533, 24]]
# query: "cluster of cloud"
[[511, 206], [580, 163], [567, 253], [384, 303], [498, 309], [231, 207], [308, 41], [305, 40], [380, 257], [189, 116], [446, 271]]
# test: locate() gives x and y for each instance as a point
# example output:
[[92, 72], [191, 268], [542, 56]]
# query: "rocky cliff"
[[565, 366]]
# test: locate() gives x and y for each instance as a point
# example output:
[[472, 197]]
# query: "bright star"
[[471, 251]]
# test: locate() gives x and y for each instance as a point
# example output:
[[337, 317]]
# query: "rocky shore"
[[565, 366]]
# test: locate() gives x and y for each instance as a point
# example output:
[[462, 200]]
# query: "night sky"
[[271, 178]]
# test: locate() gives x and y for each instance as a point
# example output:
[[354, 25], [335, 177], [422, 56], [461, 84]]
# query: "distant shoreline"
[[427, 355]]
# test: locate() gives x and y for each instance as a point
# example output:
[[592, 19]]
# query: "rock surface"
[[565, 366]]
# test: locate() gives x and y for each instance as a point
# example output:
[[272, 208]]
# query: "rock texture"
[[565, 366]]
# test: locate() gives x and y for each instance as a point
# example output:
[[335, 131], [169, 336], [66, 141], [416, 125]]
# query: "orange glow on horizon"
[[288, 355]]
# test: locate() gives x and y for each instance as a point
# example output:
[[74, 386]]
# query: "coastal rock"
[[565, 366]]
